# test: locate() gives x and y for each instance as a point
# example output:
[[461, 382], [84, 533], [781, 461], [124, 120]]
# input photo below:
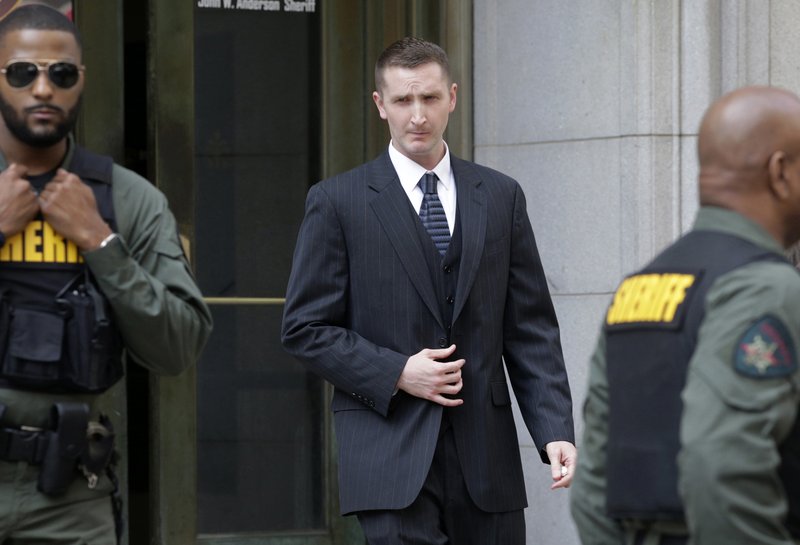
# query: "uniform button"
[[451, 299], [443, 343], [447, 269]]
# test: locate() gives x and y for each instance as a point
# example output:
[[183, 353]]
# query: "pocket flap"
[[36, 335], [500, 395]]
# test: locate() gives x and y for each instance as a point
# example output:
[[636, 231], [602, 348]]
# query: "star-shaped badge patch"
[[766, 350]]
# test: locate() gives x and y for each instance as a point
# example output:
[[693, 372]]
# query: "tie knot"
[[428, 182]]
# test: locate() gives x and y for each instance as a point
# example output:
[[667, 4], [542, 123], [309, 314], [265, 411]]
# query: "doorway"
[[233, 109]]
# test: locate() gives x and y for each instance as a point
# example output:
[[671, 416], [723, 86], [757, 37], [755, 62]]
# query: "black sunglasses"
[[22, 73]]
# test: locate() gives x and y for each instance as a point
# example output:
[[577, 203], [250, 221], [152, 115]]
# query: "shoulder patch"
[[766, 350]]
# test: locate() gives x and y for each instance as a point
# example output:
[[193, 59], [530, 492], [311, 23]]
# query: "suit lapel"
[[390, 205], [471, 206]]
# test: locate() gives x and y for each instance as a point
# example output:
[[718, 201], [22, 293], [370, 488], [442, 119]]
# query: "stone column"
[[593, 106]]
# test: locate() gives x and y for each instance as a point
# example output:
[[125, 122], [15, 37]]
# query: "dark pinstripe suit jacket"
[[360, 302]]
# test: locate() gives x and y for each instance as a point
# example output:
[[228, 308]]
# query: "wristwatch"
[[106, 241]]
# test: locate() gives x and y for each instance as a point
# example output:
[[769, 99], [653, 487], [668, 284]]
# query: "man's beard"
[[22, 132]]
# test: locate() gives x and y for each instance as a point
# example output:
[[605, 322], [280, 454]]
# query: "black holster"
[[66, 443]]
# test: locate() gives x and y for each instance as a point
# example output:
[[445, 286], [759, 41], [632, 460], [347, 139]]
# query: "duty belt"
[[655, 532], [73, 443]]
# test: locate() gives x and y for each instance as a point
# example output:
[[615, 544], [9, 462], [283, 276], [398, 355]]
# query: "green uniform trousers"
[[80, 517]]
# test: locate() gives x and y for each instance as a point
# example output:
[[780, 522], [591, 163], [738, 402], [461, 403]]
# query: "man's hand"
[[562, 454], [425, 377], [18, 203], [70, 208]]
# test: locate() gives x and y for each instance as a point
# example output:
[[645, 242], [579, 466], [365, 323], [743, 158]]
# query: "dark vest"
[[56, 328], [444, 273], [651, 332]]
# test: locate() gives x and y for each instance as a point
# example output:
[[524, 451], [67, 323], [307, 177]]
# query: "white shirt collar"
[[410, 171]]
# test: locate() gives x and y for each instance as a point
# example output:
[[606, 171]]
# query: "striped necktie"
[[432, 213]]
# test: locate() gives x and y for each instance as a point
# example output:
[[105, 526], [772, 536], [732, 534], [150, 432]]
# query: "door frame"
[[350, 29]]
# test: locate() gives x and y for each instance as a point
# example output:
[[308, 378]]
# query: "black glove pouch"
[[34, 346]]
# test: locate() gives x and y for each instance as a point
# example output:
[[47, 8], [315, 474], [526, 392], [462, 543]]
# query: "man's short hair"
[[410, 52], [37, 17]]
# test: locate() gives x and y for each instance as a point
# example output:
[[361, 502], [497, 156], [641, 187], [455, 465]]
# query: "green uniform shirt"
[[733, 422], [145, 277]]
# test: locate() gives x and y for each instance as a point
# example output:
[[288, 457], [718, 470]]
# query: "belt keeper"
[[4, 443], [23, 445]]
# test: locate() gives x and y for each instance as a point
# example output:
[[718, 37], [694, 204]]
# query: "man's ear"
[[778, 183], [376, 96]]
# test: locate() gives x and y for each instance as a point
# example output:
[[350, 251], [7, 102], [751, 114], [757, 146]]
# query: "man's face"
[[40, 114], [416, 102]]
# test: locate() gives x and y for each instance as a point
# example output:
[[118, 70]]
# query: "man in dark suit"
[[415, 276]]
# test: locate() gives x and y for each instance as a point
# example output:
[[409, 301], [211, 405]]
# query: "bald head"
[[741, 131], [747, 145]]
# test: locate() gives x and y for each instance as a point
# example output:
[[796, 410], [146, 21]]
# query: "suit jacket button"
[[447, 269], [451, 299], [442, 343]]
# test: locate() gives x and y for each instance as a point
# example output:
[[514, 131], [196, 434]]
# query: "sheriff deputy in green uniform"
[[691, 432], [92, 275]]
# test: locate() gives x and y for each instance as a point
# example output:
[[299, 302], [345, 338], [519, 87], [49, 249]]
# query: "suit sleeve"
[[735, 414], [531, 340], [588, 492], [315, 316]]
